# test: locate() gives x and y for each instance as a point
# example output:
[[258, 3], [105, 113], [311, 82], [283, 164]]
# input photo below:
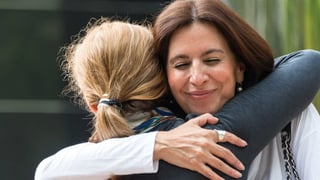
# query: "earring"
[[239, 87]]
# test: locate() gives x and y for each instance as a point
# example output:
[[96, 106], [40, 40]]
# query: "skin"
[[202, 70]]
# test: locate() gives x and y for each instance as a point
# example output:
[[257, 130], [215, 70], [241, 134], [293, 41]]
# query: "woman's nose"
[[198, 76]]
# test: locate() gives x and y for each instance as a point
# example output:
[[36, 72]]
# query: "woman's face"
[[202, 70]]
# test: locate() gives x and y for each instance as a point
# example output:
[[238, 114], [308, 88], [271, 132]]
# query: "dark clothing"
[[260, 112]]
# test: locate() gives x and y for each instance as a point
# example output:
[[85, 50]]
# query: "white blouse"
[[305, 144]]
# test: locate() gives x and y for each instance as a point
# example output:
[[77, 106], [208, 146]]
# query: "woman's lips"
[[200, 93]]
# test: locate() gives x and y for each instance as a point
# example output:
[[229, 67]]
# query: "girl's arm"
[[128, 155]]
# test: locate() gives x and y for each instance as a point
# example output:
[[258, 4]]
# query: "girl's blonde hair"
[[115, 60]]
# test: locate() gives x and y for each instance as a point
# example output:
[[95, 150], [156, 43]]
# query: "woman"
[[208, 52], [76, 166]]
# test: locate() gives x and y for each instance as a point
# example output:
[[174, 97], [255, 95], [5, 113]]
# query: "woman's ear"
[[240, 72]]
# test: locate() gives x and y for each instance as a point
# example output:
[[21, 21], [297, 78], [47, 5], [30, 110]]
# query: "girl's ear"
[[93, 108]]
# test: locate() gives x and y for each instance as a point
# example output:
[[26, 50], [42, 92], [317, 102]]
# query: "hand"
[[196, 148]]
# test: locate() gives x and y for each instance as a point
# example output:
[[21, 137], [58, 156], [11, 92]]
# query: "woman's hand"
[[192, 147]]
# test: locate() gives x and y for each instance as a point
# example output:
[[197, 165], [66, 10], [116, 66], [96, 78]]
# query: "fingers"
[[195, 164], [204, 119], [207, 172], [226, 154], [218, 153], [224, 136], [204, 160], [223, 167]]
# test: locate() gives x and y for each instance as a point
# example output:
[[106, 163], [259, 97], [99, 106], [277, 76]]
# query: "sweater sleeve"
[[116, 156], [260, 112]]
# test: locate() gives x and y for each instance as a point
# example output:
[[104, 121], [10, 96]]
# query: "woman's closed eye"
[[181, 65], [212, 61]]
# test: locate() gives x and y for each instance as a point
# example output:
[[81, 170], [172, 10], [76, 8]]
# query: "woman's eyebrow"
[[209, 51], [176, 57]]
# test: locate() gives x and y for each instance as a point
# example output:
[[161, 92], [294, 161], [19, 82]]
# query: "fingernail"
[[245, 143], [241, 166], [238, 174]]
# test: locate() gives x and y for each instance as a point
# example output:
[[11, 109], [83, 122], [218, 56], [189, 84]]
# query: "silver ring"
[[221, 134]]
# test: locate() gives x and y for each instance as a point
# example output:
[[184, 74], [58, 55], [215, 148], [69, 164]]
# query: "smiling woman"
[[185, 33], [202, 70]]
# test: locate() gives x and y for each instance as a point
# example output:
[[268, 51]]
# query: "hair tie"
[[109, 102]]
